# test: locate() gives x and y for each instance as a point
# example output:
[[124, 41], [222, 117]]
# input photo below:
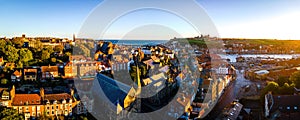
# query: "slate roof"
[[113, 90]]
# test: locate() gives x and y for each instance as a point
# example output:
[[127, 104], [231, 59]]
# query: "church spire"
[[74, 38]]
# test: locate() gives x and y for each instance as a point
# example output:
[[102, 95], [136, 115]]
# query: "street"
[[230, 94]]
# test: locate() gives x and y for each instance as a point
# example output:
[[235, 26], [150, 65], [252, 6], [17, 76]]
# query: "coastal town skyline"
[[233, 19], [149, 59]]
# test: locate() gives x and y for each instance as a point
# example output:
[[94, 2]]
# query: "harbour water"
[[232, 57], [274, 56]]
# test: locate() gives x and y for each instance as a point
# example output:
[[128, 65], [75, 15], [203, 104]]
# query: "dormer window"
[[55, 102], [64, 101], [48, 102]]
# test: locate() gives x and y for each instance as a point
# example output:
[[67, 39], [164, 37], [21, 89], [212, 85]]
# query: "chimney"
[[42, 93], [72, 92], [12, 92]]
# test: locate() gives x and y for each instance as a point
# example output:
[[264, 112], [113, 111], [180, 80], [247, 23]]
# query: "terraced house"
[[37, 105]]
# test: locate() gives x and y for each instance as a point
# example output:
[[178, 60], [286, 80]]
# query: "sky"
[[276, 19]]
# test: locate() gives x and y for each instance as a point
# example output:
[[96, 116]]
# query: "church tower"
[[74, 38]]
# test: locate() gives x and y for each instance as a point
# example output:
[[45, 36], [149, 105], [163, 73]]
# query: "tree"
[[286, 89], [2, 46], [49, 49], [45, 55], [53, 60], [37, 46], [58, 48], [19, 64], [4, 81], [25, 55], [66, 57], [281, 80], [271, 87], [10, 114], [18, 42], [295, 78], [11, 53]]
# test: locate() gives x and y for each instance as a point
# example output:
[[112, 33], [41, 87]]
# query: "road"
[[230, 93]]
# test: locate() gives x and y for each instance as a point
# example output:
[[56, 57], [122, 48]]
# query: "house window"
[[288, 107], [33, 113], [38, 108], [27, 109], [33, 108], [295, 107]]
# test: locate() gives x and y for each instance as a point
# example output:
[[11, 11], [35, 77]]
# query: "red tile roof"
[[23, 99], [17, 73], [57, 97], [78, 57], [29, 70], [49, 69], [69, 64]]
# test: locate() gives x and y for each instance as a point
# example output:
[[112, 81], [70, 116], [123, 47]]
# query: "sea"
[[224, 56]]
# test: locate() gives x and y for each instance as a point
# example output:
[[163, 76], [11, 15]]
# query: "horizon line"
[[236, 38]]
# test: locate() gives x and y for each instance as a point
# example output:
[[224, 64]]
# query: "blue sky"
[[233, 18]]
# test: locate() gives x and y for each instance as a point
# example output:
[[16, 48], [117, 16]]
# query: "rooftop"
[[23, 99], [49, 68], [286, 103], [17, 73], [58, 97]]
